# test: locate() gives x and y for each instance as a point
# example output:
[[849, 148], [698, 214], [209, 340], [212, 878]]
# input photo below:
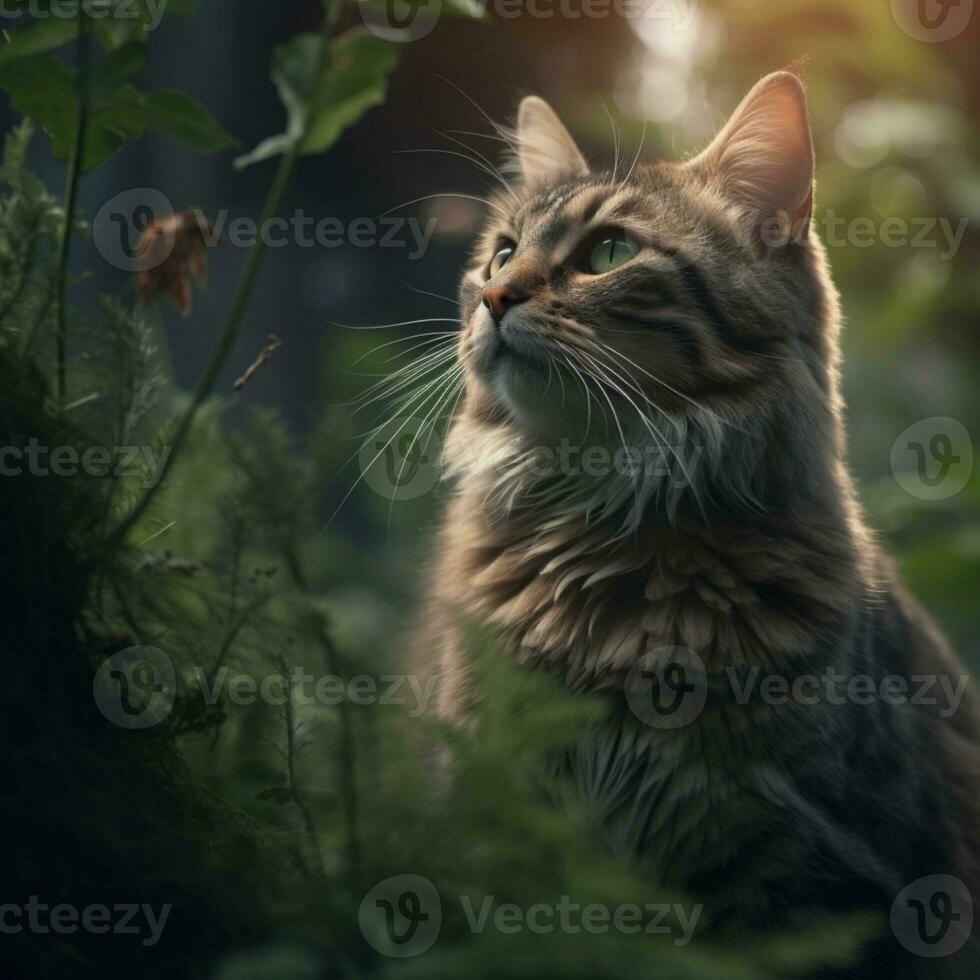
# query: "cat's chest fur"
[[569, 597]]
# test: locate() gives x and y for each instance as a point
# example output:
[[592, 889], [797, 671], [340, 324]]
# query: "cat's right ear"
[[546, 151], [763, 157]]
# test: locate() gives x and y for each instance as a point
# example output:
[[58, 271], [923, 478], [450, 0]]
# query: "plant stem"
[[336, 13], [347, 748], [243, 292], [71, 196], [309, 824]]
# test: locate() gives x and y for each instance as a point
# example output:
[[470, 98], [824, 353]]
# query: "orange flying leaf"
[[172, 251]]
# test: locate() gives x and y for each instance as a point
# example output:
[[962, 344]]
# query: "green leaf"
[[325, 87], [109, 74], [37, 37], [185, 121], [271, 147], [109, 126], [356, 82], [296, 69], [42, 88], [139, 20]]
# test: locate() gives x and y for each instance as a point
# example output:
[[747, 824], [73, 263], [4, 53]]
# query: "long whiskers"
[[585, 388], [609, 376], [615, 138], [431, 197], [404, 377], [490, 172], [680, 394], [454, 381], [389, 326], [639, 150], [418, 401], [438, 334], [426, 292], [497, 128]]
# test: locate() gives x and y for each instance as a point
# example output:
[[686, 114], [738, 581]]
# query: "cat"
[[650, 487]]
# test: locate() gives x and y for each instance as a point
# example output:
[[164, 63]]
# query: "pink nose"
[[498, 299]]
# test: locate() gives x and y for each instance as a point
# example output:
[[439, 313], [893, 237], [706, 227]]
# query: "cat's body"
[[711, 352]]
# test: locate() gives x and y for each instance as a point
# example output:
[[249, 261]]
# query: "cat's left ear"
[[545, 150], [764, 155]]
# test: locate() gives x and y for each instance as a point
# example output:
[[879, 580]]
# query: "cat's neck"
[[572, 591]]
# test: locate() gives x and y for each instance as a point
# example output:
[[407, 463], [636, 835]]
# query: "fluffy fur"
[[713, 353]]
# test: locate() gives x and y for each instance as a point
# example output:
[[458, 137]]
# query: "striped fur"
[[715, 351]]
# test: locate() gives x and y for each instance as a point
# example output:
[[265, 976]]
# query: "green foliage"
[[30, 220], [267, 823], [37, 37], [319, 800], [325, 86], [53, 94]]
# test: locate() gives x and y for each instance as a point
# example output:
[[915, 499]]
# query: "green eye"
[[610, 254], [500, 260]]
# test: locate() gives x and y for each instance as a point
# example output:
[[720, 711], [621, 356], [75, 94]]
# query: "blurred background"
[[895, 104], [894, 92], [895, 108]]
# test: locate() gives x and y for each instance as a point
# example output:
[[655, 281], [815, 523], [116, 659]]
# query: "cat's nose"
[[498, 300]]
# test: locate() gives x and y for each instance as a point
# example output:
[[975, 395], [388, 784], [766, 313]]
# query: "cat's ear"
[[764, 155], [545, 150]]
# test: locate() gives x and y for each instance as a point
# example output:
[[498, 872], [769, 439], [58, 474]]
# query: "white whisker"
[[431, 197]]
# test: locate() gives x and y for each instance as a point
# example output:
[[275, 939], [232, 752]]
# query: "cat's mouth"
[[511, 358], [517, 346]]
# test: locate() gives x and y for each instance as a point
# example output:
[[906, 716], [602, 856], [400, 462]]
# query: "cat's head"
[[680, 306]]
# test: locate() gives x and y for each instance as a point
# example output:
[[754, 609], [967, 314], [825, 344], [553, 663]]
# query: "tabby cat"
[[650, 487]]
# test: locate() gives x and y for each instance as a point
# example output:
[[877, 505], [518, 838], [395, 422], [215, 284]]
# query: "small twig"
[[243, 291], [156, 534], [82, 402], [274, 344]]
